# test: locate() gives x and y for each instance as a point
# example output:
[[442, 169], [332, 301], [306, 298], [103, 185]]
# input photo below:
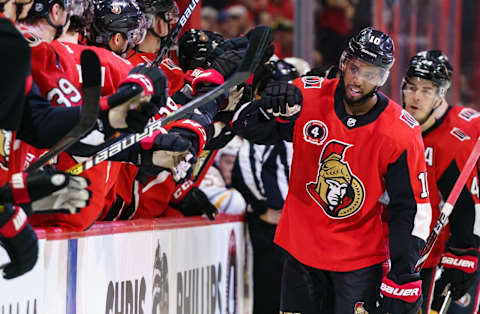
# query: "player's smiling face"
[[359, 78], [419, 97]]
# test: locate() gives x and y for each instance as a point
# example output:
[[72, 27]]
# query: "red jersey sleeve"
[[409, 211]]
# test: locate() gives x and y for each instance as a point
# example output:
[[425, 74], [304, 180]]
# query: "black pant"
[[307, 290], [268, 259]]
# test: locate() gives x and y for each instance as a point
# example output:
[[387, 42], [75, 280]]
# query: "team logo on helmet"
[[337, 191], [116, 8], [464, 301], [315, 132], [359, 309], [203, 37], [5, 144]]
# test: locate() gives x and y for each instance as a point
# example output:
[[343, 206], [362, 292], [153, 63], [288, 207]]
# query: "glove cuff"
[[144, 81], [210, 77], [196, 128], [14, 224], [18, 185], [408, 292], [466, 263], [147, 143]]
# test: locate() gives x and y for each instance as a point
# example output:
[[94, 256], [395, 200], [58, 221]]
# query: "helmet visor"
[[419, 88], [367, 72]]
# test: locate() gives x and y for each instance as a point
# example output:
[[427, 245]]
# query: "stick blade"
[[260, 39], [90, 109], [90, 69]]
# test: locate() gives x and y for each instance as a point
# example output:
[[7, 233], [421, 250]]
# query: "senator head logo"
[[337, 190], [5, 144]]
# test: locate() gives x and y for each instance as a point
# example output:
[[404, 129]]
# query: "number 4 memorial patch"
[[315, 132]]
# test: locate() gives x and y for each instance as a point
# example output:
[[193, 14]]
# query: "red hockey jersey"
[[173, 73], [341, 165], [448, 143]]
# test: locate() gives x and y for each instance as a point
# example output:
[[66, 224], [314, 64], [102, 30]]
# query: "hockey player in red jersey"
[[22, 193], [351, 143], [117, 25], [67, 55], [448, 141], [161, 16]]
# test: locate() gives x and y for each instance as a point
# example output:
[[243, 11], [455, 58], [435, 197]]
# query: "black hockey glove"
[[170, 151], [228, 62], [139, 97], [196, 203], [18, 239], [400, 295], [282, 100], [236, 43], [459, 273], [47, 190]]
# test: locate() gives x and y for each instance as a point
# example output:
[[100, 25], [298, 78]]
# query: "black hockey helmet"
[[116, 16], [277, 70], [42, 7], [283, 71], [156, 6], [431, 65], [371, 46], [166, 9], [194, 46]]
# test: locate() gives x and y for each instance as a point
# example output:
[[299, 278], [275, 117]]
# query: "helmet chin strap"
[[58, 28], [163, 39]]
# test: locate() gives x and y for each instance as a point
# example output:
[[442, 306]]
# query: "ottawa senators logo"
[[5, 144], [359, 309], [337, 191]]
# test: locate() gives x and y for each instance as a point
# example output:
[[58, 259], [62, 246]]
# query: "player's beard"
[[355, 102]]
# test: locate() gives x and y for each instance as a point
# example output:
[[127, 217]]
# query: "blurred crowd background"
[[449, 25]]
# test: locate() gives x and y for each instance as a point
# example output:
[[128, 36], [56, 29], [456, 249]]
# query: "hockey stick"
[[442, 220], [446, 303], [449, 204], [205, 160], [173, 34], [256, 48], [90, 108]]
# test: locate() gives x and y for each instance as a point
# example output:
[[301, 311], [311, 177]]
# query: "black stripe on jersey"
[[401, 211], [462, 218], [361, 120]]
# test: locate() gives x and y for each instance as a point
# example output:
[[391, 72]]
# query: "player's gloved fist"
[[169, 150], [205, 80], [459, 271], [196, 203], [228, 62], [282, 100], [138, 98], [18, 239], [402, 295], [25, 188], [69, 200]]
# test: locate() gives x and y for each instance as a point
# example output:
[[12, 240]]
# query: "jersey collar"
[[351, 121]]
